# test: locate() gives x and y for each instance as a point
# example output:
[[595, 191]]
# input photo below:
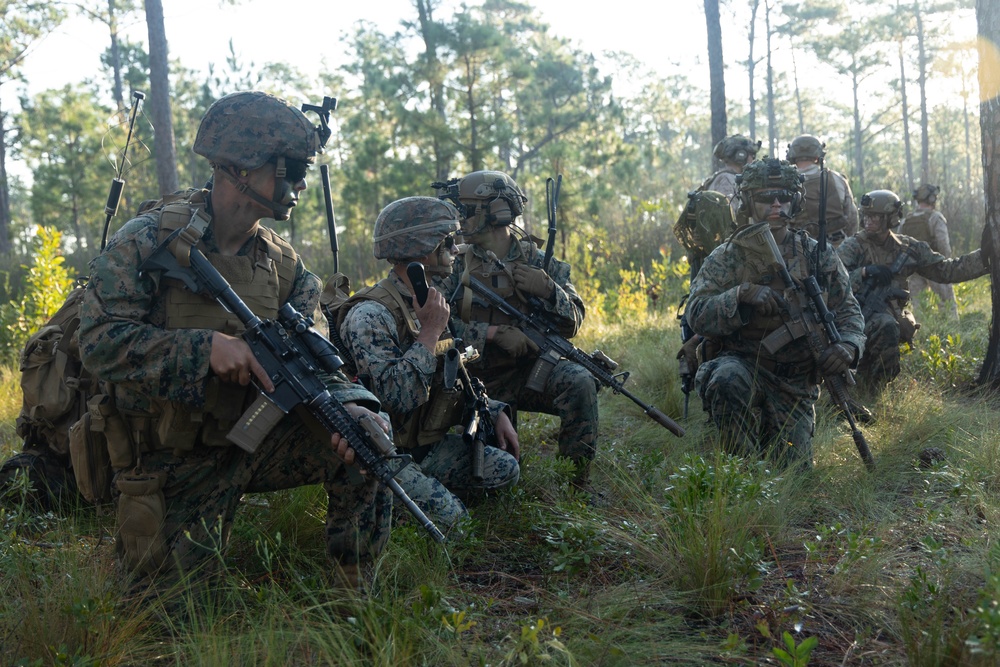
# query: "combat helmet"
[[805, 146], [882, 202], [247, 129], [486, 199], [927, 193], [769, 174], [736, 149], [413, 227]]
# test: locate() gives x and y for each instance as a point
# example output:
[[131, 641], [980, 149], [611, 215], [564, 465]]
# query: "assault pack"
[[705, 222]]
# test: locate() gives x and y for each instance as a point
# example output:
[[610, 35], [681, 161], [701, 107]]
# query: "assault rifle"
[[293, 355], [807, 315], [478, 424], [874, 298], [553, 347], [552, 188]]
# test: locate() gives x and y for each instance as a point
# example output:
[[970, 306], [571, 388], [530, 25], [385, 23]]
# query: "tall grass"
[[678, 554]]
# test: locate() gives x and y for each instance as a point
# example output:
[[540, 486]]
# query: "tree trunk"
[[922, 81], [798, 95], [859, 162], [428, 31], [988, 20], [5, 244], [159, 100], [772, 120], [116, 57], [906, 117], [751, 66], [716, 69]]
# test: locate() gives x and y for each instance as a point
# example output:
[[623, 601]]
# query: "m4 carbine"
[[874, 298], [553, 347], [293, 355], [807, 315]]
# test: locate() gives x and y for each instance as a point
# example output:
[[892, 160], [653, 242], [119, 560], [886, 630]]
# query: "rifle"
[[874, 298], [819, 330], [292, 354], [478, 426], [552, 188], [821, 223], [117, 184], [553, 347]]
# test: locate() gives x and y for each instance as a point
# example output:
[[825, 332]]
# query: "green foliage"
[[796, 655], [46, 285], [949, 362]]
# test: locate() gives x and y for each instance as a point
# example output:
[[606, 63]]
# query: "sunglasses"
[[768, 196], [448, 243], [295, 170]]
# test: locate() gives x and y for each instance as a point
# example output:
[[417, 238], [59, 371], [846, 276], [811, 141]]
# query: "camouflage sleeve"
[[936, 267], [400, 378], [712, 309], [852, 256], [122, 339], [850, 209], [842, 303], [566, 305], [304, 297]]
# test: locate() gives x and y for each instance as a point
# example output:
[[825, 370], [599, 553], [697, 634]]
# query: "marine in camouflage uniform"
[[735, 152], [762, 403], [870, 256], [929, 225], [398, 348], [806, 152], [181, 376], [489, 202]]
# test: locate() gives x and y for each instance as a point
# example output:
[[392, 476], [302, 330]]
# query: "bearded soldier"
[[806, 152], [508, 262], [398, 347], [760, 400], [929, 225], [180, 374], [880, 261]]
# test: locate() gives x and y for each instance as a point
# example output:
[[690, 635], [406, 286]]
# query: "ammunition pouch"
[[141, 514]]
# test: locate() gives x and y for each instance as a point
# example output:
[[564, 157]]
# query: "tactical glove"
[[879, 274], [533, 281], [761, 298], [836, 359], [513, 341]]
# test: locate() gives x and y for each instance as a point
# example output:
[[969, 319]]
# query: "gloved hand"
[[879, 274], [836, 359], [533, 281], [513, 341], [762, 298]]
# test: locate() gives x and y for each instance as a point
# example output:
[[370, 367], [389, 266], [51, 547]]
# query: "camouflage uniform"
[[895, 323], [762, 403], [157, 369], [841, 211], [407, 377], [930, 226], [571, 391]]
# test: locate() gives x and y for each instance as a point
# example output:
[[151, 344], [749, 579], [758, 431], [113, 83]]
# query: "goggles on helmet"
[[768, 196]]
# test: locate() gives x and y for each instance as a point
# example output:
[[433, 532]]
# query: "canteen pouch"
[[141, 513], [91, 463]]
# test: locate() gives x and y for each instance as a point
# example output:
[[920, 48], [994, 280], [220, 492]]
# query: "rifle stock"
[[293, 354], [553, 347]]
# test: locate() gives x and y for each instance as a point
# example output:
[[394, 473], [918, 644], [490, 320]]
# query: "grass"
[[681, 555]]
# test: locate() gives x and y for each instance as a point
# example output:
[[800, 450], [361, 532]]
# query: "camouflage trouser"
[[880, 363], [758, 413], [944, 291], [570, 394], [444, 476], [203, 489]]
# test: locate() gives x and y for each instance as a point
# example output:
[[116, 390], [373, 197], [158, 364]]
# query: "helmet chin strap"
[[282, 189]]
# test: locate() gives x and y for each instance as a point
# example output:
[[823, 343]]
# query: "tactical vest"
[[711, 179], [429, 423], [917, 225], [263, 280], [836, 216]]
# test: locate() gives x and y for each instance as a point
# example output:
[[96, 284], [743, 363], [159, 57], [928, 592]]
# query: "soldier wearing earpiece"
[[501, 255], [735, 152], [807, 153], [762, 402], [880, 261], [926, 223]]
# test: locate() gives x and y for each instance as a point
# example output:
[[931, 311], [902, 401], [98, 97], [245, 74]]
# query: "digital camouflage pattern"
[[722, 181], [246, 129], [571, 391], [841, 212], [881, 362], [930, 226], [805, 146], [406, 376], [763, 405], [413, 227], [124, 341], [883, 202]]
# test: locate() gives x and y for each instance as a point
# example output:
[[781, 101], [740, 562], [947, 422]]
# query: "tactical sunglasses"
[[768, 196], [295, 170]]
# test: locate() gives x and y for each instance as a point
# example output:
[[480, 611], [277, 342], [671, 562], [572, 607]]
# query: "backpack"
[[705, 222]]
